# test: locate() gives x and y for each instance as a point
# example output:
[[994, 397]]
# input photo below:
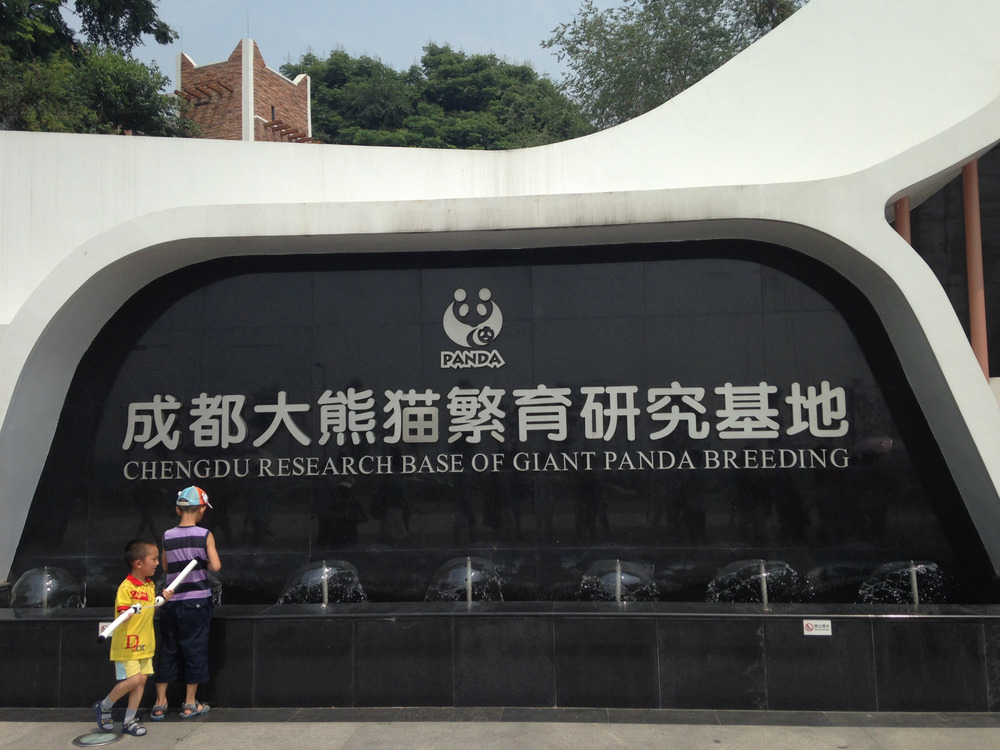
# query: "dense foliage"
[[626, 60], [51, 80], [451, 100], [622, 62]]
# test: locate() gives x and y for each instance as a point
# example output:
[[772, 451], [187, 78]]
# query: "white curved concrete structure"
[[802, 140]]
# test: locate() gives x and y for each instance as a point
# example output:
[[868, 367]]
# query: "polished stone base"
[[537, 655]]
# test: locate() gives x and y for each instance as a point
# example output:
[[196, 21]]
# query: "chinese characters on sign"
[[475, 415]]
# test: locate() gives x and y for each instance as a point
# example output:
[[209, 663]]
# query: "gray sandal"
[[103, 717], [133, 728], [193, 709]]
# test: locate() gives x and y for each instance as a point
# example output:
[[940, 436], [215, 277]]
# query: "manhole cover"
[[95, 739]]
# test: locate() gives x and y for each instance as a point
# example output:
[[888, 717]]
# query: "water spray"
[[468, 580], [763, 584]]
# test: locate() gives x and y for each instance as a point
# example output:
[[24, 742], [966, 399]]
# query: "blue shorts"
[[183, 643]]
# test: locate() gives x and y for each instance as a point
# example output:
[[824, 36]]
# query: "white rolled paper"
[[177, 581], [123, 617]]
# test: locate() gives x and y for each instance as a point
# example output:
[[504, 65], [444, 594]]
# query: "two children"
[[184, 620]]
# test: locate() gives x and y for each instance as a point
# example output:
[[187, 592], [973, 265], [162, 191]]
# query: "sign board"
[[817, 627]]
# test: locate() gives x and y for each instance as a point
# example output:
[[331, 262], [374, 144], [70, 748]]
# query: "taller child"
[[186, 619]]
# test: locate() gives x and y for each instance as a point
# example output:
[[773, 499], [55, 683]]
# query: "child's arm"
[[214, 563], [124, 609]]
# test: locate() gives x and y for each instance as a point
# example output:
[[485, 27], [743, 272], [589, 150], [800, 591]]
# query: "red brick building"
[[241, 99]]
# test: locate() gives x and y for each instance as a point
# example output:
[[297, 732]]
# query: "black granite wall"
[[651, 655], [740, 464]]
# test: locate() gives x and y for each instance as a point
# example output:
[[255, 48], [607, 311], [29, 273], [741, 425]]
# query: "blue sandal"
[[156, 713], [103, 718], [194, 709], [133, 728]]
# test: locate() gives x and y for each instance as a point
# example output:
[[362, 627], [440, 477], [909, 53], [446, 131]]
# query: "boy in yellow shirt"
[[133, 643]]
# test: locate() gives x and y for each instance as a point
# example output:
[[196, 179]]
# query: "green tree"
[[51, 80], [94, 91], [126, 95], [376, 97], [451, 100], [121, 24], [625, 61], [33, 29], [43, 95]]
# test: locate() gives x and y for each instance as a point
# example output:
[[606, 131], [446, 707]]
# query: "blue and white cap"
[[192, 497]]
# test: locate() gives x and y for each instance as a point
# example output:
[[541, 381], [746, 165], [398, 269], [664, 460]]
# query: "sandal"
[[133, 728], [103, 718], [194, 709], [156, 713]]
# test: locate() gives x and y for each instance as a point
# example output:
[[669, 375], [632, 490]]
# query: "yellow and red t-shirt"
[[134, 639]]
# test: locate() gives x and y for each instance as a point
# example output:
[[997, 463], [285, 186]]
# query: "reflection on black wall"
[[832, 495]]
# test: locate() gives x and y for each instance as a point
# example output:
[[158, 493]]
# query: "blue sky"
[[393, 30]]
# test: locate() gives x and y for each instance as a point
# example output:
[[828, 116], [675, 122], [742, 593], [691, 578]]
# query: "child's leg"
[[192, 706], [193, 649], [126, 686], [161, 700], [131, 725], [190, 691], [135, 695], [102, 709], [167, 670]]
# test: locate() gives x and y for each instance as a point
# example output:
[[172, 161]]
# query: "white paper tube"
[[123, 617], [177, 581], [127, 614]]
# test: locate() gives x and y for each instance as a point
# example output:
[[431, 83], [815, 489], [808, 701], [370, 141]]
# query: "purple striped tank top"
[[182, 544]]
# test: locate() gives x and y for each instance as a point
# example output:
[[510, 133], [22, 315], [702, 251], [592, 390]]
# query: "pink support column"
[[902, 222], [974, 264]]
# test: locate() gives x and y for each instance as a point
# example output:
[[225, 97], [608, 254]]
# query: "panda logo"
[[473, 325]]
